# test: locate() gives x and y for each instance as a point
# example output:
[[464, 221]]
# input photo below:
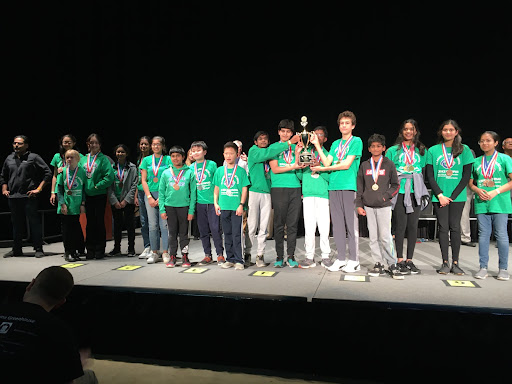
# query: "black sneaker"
[[445, 268], [131, 252], [69, 257], [402, 267], [394, 272], [412, 268], [377, 270], [456, 270], [13, 253], [115, 252], [39, 253]]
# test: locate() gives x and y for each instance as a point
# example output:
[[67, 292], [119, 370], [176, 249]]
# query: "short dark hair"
[[53, 284], [260, 133], [321, 128], [348, 114], [377, 138], [25, 138], [286, 123], [177, 149], [230, 144], [199, 143]]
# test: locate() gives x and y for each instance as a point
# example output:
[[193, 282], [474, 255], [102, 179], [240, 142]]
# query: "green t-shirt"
[[259, 169], [101, 176], [74, 200], [229, 198], [397, 156], [501, 203], [185, 196], [315, 184], [205, 187], [448, 183], [346, 180], [287, 179], [147, 164], [57, 163]]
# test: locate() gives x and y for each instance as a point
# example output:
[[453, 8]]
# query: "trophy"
[[305, 156]]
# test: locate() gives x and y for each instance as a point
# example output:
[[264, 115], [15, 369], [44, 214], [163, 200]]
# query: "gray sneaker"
[[481, 274], [326, 262], [239, 267], [307, 263], [445, 268], [260, 261], [503, 275]]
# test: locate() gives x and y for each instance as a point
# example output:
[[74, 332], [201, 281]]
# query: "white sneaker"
[[166, 257], [228, 264], [153, 258], [351, 266], [145, 253], [337, 265], [239, 267]]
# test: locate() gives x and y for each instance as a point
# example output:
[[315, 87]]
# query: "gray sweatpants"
[[381, 241], [345, 224]]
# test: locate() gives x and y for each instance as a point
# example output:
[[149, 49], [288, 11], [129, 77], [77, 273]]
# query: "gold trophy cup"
[[305, 156]]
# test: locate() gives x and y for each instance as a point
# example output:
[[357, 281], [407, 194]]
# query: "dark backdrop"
[[223, 70]]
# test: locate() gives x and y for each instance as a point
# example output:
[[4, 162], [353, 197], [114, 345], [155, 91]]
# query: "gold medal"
[[155, 180], [375, 187], [409, 168], [449, 172]]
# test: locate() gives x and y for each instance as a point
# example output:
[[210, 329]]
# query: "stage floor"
[[427, 288]]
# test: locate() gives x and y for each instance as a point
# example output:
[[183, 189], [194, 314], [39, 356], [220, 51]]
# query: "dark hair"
[[415, 140], [139, 153], [286, 123], [377, 138], [349, 115], [493, 134], [177, 149], [321, 128], [62, 151], [162, 141], [199, 143], [457, 146], [261, 133], [230, 144], [25, 138], [91, 136], [53, 284], [126, 149]]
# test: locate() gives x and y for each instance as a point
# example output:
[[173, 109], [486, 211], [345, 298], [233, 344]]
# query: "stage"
[[125, 307]]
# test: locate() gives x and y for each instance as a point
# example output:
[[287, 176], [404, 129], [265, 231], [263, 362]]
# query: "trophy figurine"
[[305, 156]]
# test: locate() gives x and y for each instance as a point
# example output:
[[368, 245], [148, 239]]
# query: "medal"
[[448, 160], [228, 182], [375, 171], [288, 156], [155, 167], [200, 187], [176, 179], [490, 183], [200, 175], [176, 186], [266, 166], [70, 184], [69, 193], [409, 157], [120, 175], [487, 169], [342, 149], [449, 172], [121, 184]]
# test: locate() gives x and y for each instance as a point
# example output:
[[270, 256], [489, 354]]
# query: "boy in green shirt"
[[177, 203], [229, 196]]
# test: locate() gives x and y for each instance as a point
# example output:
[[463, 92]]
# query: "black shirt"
[[36, 345], [24, 173]]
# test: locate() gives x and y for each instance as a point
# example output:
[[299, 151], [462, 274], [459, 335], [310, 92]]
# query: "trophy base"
[[306, 158]]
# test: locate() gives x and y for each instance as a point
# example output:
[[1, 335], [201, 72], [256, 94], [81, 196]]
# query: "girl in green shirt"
[[448, 170]]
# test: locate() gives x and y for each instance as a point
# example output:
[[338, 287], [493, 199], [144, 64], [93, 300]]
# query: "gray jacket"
[[131, 178], [420, 191]]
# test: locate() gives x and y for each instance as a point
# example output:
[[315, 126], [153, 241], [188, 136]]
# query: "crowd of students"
[[233, 202]]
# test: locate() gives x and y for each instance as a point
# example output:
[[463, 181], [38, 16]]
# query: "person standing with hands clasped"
[[229, 197], [448, 170], [377, 184], [492, 202]]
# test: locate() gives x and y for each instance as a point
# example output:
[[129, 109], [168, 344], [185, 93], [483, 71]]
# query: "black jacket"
[[24, 174], [387, 182]]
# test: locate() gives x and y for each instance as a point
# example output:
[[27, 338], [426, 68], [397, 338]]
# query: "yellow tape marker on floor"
[[128, 268], [71, 265], [462, 283], [264, 274], [195, 270]]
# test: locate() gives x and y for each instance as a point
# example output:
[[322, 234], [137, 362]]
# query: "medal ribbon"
[[70, 185], [266, 166], [200, 175], [90, 165], [409, 154], [375, 171], [448, 157], [156, 168], [316, 157], [120, 175], [488, 167], [176, 178], [343, 148], [229, 182], [288, 155]]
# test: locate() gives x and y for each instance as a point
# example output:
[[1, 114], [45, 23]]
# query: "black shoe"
[[468, 244], [14, 253], [456, 270], [68, 257], [402, 267], [377, 270], [412, 268], [131, 252], [394, 272], [39, 253], [445, 268], [115, 252]]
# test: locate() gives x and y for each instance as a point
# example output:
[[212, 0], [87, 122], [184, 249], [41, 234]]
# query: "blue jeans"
[[232, 228], [143, 214], [486, 223], [157, 226]]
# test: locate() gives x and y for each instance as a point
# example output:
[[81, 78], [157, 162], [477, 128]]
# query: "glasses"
[[507, 142]]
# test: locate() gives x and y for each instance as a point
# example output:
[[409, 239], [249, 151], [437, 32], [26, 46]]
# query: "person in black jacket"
[[24, 175], [377, 184]]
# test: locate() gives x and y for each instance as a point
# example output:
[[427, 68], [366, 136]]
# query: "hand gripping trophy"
[[305, 156]]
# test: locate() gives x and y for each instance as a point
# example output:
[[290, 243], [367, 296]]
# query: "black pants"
[[406, 222], [22, 209], [232, 226], [287, 204], [72, 235], [178, 228], [95, 232], [124, 217], [448, 219]]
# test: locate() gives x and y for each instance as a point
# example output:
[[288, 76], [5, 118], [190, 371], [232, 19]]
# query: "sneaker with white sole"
[[153, 258], [228, 264], [481, 274], [260, 261], [337, 265], [326, 262], [351, 266], [395, 273], [145, 253], [503, 275], [307, 263], [166, 257], [239, 267]]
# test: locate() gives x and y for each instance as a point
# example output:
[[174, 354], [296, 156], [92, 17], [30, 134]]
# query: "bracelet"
[[149, 196], [241, 204], [438, 196], [497, 191]]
